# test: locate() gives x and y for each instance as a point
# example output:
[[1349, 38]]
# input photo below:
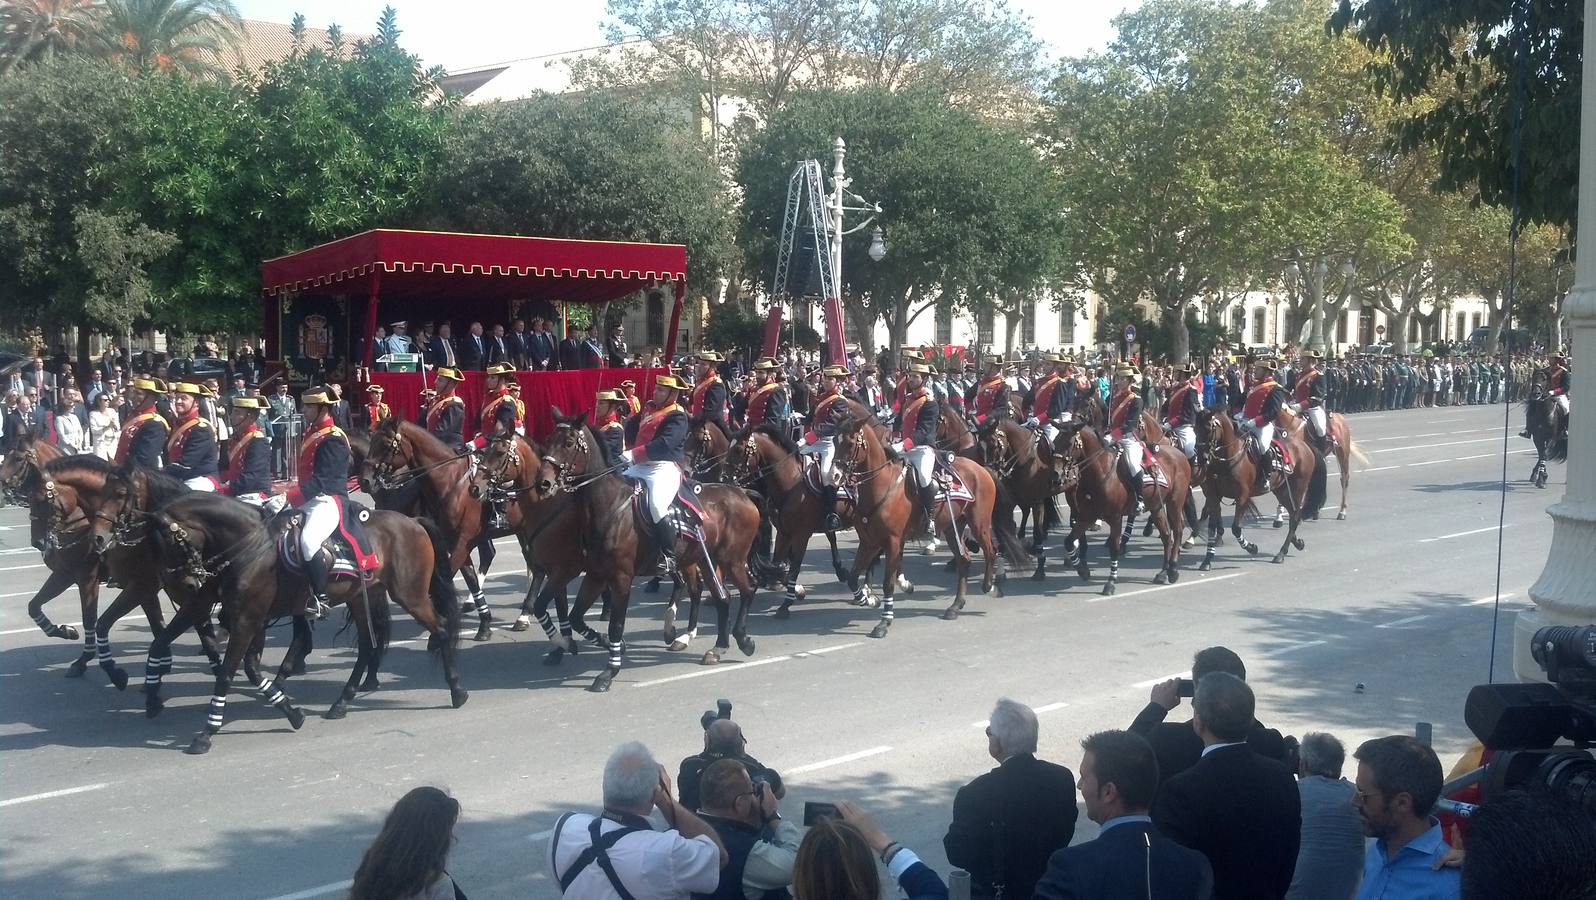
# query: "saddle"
[[686, 510], [1279, 460], [814, 485], [1150, 467], [353, 555], [949, 485]]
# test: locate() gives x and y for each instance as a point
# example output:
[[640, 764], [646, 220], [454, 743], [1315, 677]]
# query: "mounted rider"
[[144, 434], [1185, 402], [609, 420], [1125, 422], [249, 454], [709, 392], [191, 451], [323, 487], [1308, 398], [1052, 398], [498, 417], [990, 397], [819, 442], [909, 356], [1261, 409], [1557, 380], [629, 394], [376, 410], [768, 403], [520, 408], [915, 439], [655, 457], [446, 413]]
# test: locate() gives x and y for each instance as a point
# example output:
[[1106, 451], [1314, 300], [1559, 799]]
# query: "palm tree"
[[32, 30], [186, 35]]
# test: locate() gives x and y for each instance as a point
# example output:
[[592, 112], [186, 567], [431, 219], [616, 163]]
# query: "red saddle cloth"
[[1281, 452]]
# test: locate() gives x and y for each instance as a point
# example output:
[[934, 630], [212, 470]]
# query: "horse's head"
[[389, 451], [744, 458], [572, 448], [1070, 450], [858, 450], [177, 553], [17, 472]]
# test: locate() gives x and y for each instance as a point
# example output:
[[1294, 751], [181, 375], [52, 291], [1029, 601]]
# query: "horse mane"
[[775, 433], [420, 436], [160, 487]]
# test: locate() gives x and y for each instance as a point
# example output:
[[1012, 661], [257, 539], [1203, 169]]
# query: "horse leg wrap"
[[213, 718], [45, 625], [270, 691], [152, 670], [886, 607], [102, 649], [616, 651], [1113, 570], [547, 625]]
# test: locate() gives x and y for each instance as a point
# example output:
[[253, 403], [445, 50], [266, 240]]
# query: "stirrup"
[[318, 607]]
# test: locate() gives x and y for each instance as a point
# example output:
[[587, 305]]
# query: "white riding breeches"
[[1050, 431], [1265, 434], [824, 450], [201, 483], [1559, 402], [1316, 420], [922, 461], [1186, 440], [661, 481], [321, 520], [1132, 450], [257, 498]]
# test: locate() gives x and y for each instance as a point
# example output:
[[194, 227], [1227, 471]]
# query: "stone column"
[[1565, 594]]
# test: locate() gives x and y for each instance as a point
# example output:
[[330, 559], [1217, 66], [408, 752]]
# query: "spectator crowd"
[[1217, 806]]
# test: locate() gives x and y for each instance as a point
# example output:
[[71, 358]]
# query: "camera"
[[722, 710], [1523, 723]]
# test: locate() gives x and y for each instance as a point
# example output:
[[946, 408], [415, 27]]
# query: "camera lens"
[[1571, 773], [1556, 646]]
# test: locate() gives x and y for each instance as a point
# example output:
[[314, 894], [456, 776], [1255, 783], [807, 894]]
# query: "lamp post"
[[1565, 593], [836, 207]]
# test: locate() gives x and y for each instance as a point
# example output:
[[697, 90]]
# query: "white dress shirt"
[[654, 865]]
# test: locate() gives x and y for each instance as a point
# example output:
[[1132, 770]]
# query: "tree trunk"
[[1011, 324], [899, 326], [1179, 335], [1496, 313], [1399, 329]]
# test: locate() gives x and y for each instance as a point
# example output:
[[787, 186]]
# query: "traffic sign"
[[1379, 329], [1130, 334]]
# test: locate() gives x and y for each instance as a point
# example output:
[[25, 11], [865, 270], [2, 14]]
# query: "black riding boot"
[[832, 522], [928, 505], [316, 574], [665, 539], [501, 520]]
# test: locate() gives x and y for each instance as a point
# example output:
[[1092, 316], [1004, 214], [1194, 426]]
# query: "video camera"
[[1521, 723], [722, 710]]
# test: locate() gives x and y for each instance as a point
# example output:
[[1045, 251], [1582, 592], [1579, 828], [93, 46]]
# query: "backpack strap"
[[597, 852]]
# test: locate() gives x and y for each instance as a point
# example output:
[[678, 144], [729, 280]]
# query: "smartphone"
[[1185, 687], [814, 812]]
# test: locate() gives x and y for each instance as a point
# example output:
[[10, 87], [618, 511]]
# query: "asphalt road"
[[97, 801]]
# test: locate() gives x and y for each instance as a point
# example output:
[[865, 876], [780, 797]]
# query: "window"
[[1413, 329], [656, 319], [1366, 326], [1028, 325], [944, 325], [1341, 327], [1462, 324], [1238, 321], [1476, 324], [1260, 325], [1066, 326], [983, 328]]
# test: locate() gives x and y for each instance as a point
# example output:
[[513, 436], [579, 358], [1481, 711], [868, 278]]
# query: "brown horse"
[[576, 463], [954, 435], [707, 443], [1231, 473], [213, 549], [886, 513], [1342, 447], [1091, 472], [764, 458], [81, 484], [1013, 454], [444, 475]]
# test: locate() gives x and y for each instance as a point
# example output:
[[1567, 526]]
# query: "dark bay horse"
[[886, 513], [1548, 429], [953, 434], [1230, 473], [1012, 453], [213, 549], [444, 475], [707, 443], [1098, 492]]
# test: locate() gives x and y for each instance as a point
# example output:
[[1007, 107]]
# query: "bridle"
[[390, 455], [563, 483], [14, 489]]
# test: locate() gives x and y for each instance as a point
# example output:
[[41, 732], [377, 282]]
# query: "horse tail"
[[1557, 450], [445, 602], [1003, 528], [1317, 487], [381, 631], [1356, 454]]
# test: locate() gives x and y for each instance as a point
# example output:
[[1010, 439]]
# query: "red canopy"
[[451, 268]]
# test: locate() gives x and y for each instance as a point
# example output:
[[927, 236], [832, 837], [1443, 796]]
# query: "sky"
[[464, 34]]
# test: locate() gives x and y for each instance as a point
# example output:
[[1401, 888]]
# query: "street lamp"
[[837, 206], [878, 247]]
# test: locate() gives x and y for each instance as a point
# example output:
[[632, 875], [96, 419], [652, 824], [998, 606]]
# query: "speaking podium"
[[398, 362]]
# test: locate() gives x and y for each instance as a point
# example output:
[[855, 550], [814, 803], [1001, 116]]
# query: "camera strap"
[[597, 852]]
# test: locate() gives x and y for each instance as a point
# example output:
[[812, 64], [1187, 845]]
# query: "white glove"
[[275, 503], [626, 455], [897, 446], [1033, 422]]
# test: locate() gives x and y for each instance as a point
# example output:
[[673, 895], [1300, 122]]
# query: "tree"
[[600, 167], [1466, 54], [183, 35], [314, 148], [34, 30], [970, 209]]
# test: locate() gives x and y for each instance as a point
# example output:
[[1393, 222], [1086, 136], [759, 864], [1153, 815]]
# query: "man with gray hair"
[[1007, 822], [1330, 860], [619, 856]]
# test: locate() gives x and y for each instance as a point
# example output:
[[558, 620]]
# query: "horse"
[[82, 483], [764, 458], [444, 475], [885, 513], [1012, 452], [953, 434], [707, 443], [213, 549], [1230, 473], [1097, 492], [575, 462], [1342, 447], [1548, 428]]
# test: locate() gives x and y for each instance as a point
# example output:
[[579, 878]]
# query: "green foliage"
[[189, 36], [1159, 341], [732, 327], [601, 167], [41, 29], [970, 209], [116, 250]]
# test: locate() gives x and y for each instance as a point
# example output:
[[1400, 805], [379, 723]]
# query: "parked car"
[[191, 368]]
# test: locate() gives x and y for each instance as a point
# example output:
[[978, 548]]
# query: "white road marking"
[[1439, 421], [1435, 444], [838, 760], [1039, 710], [1166, 587], [1407, 621], [803, 653], [19, 550], [324, 890], [1486, 601], [19, 594], [20, 568], [714, 670], [1379, 468], [1428, 462], [51, 795], [1160, 680], [21, 630], [1290, 648], [1463, 533]]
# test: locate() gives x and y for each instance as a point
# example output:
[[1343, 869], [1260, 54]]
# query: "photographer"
[[761, 846], [1177, 745], [723, 739]]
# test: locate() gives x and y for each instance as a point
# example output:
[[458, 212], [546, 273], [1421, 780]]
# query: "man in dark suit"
[[592, 355], [1237, 808], [1007, 822], [1177, 744], [499, 350], [543, 348], [519, 342], [440, 349], [571, 349], [1129, 860], [474, 349]]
